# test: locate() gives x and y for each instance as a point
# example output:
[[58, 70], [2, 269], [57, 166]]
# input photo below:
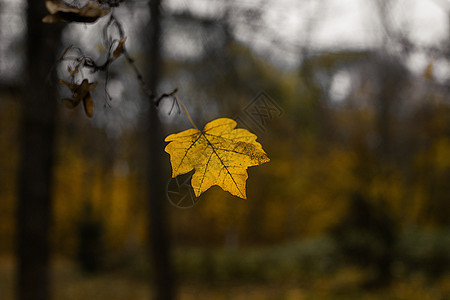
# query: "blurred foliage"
[[304, 191], [306, 269]]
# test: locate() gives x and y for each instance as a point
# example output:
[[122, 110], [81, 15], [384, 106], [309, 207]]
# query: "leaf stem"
[[185, 111]]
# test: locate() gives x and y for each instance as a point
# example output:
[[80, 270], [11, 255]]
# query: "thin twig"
[[174, 104], [185, 111], [83, 61], [165, 95], [139, 76], [108, 96]]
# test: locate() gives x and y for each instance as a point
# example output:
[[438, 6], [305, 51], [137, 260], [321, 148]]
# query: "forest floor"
[[70, 283]]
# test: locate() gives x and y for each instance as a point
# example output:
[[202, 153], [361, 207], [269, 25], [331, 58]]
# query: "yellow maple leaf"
[[220, 155]]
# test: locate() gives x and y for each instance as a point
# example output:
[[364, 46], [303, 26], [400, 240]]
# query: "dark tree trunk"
[[392, 79], [159, 236], [35, 170]]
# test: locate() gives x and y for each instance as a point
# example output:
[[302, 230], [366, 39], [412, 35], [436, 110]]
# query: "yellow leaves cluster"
[[220, 155]]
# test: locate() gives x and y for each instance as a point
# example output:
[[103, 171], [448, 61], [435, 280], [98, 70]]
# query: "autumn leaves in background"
[[220, 154]]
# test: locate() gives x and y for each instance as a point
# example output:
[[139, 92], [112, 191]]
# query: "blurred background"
[[349, 99]]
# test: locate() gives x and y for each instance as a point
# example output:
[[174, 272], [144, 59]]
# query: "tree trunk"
[[35, 170], [159, 237]]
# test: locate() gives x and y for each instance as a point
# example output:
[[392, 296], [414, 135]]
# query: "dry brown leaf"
[[88, 105], [69, 103], [119, 49], [61, 11], [74, 71], [80, 92]]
